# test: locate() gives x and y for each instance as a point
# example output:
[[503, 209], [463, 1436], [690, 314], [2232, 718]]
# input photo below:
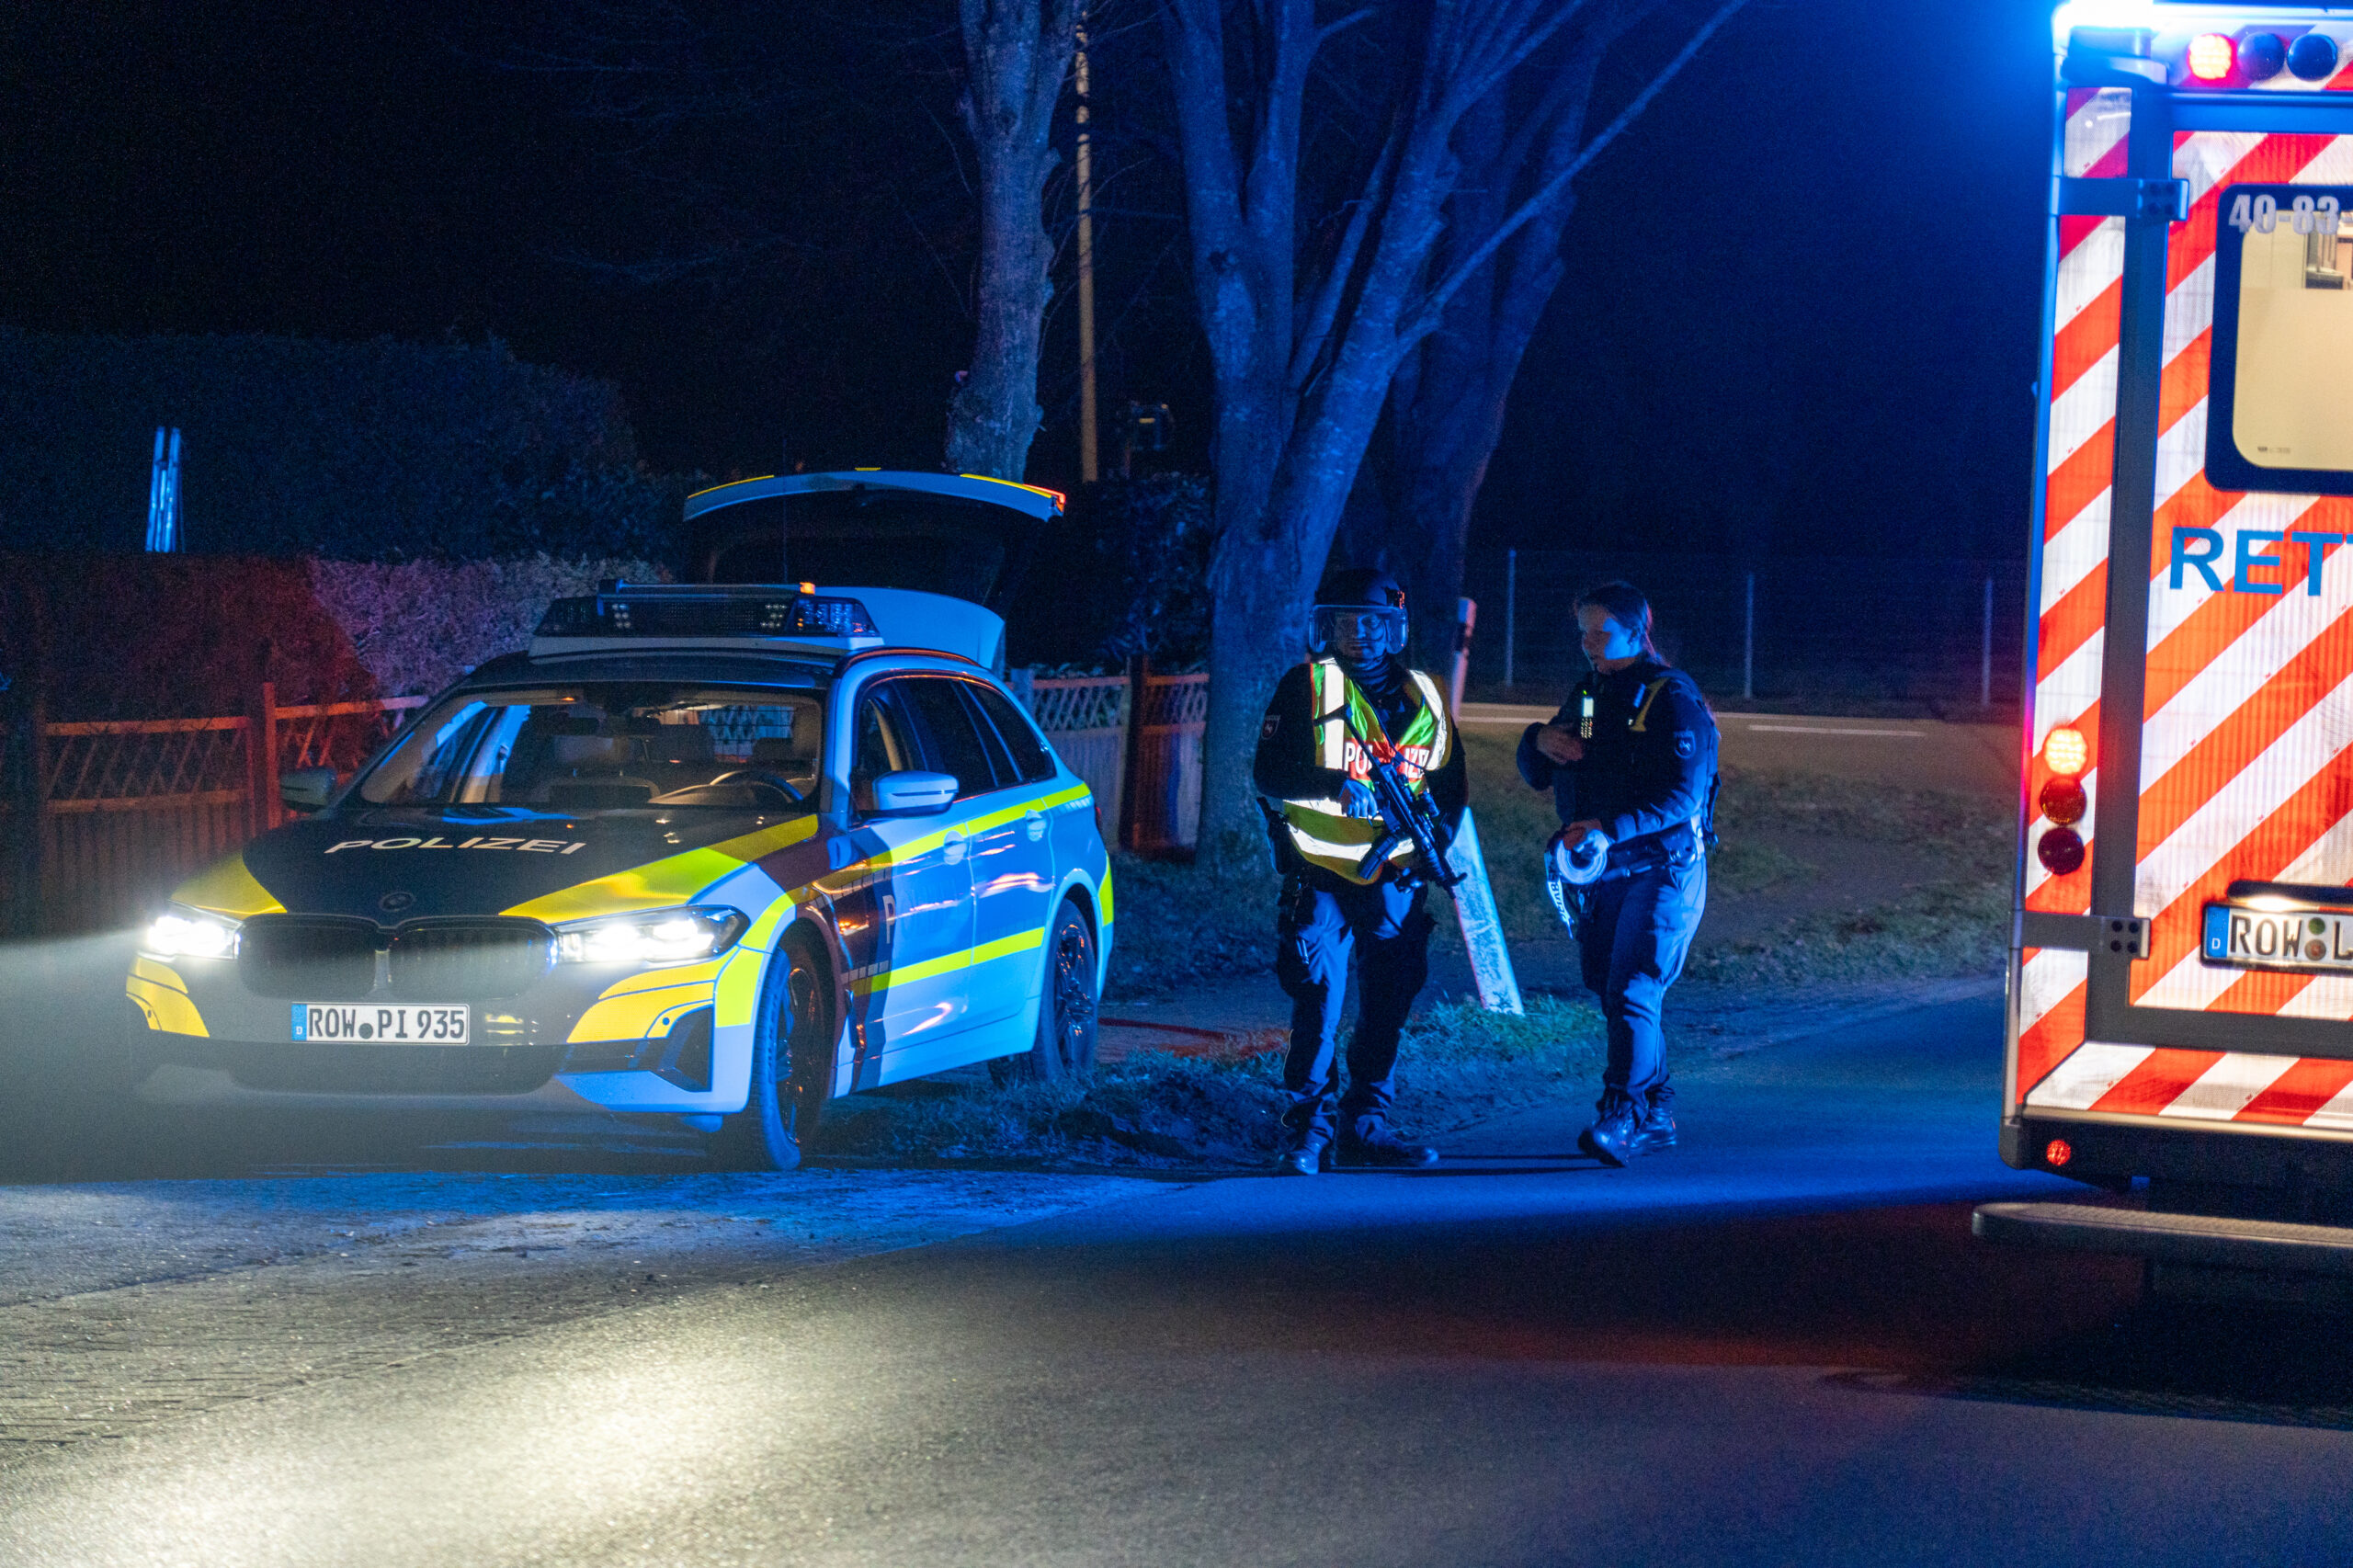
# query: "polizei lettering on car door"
[[525, 845]]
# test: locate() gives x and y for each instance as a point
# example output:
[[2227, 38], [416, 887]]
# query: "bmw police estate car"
[[721, 852]]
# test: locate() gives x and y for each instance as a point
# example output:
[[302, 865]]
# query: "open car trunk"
[[965, 537]]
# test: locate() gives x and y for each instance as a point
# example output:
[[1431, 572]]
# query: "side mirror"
[[913, 794], [306, 789]]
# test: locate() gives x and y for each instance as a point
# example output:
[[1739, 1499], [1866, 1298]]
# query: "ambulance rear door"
[[2194, 972]]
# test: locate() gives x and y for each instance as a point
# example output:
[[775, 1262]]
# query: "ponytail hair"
[[1624, 604]]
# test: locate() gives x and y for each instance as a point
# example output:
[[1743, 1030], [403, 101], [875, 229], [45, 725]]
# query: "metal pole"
[[1466, 621], [1088, 467], [1986, 654], [1511, 608], [1749, 644]]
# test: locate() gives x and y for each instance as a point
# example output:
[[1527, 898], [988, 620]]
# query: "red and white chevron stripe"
[[2248, 713], [2073, 611], [2201, 1086]]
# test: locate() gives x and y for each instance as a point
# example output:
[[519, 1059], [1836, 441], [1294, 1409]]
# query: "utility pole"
[[1089, 470]]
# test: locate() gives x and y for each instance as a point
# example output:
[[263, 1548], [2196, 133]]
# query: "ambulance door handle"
[[2124, 935], [2149, 200]]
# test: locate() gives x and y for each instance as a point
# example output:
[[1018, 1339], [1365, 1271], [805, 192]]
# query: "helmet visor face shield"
[[1359, 633]]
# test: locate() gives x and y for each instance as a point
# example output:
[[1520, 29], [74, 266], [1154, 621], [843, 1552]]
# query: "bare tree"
[[751, 120], [1410, 514], [1303, 345], [1017, 54]]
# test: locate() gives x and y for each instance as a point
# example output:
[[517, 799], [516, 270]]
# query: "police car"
[[717, 852]]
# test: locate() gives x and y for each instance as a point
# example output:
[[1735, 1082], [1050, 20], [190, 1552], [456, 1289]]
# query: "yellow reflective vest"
[[1320, 829]]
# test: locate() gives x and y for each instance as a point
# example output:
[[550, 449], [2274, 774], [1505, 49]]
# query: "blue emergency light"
[[698, 610]]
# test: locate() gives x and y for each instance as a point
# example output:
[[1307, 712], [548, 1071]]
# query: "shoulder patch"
[[1686, 745], [1266, 730]]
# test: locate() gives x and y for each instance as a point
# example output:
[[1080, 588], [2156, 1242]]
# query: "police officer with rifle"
[[1364, 785], [1631, 759]]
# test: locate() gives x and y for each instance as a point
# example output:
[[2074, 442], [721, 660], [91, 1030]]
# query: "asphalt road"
[[1775, 1346], [1923, 752]]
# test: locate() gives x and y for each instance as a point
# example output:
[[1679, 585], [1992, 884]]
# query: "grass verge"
[[1180, 924], [1152, 1111]]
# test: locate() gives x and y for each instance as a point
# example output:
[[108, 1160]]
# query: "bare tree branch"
[[1425, 318]]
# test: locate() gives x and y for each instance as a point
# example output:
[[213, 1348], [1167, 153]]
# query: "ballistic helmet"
[[1365, 601]]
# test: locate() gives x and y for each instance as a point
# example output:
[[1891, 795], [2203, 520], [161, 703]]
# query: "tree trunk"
[[994, 414], [1016, 53], [1303, 356]]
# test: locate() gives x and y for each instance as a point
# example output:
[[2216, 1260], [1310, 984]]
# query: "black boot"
[[1656, 1134], [1612, 1137], [1303, 1153], [1379, 1146]]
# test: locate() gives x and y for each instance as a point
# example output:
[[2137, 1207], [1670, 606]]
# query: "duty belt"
[[1651, 850]]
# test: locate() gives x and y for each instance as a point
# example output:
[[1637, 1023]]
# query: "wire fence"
[[1828, 633]]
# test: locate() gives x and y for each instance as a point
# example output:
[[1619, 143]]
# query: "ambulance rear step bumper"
[[2190, 1241]]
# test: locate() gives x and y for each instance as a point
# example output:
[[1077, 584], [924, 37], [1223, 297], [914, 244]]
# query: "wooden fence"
[[1109, 737], [99, 820], [102, 818]]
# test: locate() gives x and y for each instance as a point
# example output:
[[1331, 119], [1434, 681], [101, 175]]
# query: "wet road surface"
[[1778, 1344]]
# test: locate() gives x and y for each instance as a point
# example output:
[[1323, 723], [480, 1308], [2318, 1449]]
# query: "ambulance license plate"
[[2238, 938], [322, 1023]]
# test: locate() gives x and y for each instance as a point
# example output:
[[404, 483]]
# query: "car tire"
[[1064, 1044], [792, 1050]]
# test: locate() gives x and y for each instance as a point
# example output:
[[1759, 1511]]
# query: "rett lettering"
[[2257, 560]]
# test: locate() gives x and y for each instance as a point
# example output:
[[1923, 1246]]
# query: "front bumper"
[[673, 1040]]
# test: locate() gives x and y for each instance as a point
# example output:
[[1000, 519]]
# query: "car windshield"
[[608, 746]]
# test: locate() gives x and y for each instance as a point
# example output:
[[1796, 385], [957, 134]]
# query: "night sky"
[[1799, 320]]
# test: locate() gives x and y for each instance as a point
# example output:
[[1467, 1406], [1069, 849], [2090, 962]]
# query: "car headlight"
[[184, 933], [667, 936]]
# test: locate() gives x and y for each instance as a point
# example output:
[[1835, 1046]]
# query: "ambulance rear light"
[[2211, 56], [2261, 56], [2064, 751], [2312, 58], [2057, 1152], [2061, 850], [2064, 799]]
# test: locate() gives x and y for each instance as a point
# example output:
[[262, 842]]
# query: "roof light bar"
[[687, 609]]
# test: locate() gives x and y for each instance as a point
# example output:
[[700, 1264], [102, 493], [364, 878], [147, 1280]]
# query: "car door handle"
[[1034, 824]]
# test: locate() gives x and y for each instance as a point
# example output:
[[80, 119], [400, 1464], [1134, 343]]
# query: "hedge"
[[138, 636], [361, 451]]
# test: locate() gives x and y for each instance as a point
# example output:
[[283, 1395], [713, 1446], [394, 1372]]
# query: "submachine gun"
[[1404, 815]]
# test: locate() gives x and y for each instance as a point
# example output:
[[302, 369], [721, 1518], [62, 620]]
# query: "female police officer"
[[1631, 758]]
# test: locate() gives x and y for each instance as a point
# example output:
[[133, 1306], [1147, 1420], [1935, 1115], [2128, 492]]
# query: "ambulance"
[[2180, 1031], [715, 851]]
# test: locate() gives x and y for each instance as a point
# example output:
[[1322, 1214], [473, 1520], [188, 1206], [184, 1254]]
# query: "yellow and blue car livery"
[[564, 884]]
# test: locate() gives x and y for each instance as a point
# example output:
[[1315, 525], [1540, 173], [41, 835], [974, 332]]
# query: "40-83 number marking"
[[2305, 214]]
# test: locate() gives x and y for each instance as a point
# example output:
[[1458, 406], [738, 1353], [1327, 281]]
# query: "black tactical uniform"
[[1648, 777], [1328, 913]]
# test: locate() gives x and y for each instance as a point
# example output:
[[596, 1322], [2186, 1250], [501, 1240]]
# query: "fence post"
[[1985, 652], [1748, 642], [28, 815], [261, 759], [1511, 610], [1131, 750]]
